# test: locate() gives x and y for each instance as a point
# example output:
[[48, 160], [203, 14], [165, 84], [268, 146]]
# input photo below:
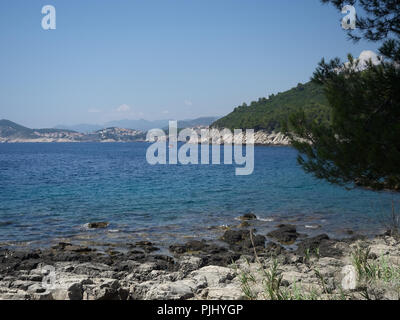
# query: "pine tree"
[[361, 143]]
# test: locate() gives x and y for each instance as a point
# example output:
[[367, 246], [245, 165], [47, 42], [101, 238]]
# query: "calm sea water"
[[48, 192]]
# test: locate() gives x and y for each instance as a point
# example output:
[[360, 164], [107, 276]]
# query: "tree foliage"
[[361, 143]]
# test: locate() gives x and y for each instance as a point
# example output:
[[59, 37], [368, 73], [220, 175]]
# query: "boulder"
[[285, 234], [321, 243], [67, 291], [274, 249], [146, 246], [243, 241], [248, 216], [105, 289], [235, 236], [229, 292], [214, 275], [97, 225], [189, 263], [178, 290], [21, 284], [190, 247], [210, 253]]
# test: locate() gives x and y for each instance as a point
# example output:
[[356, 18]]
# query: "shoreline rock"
[[285, 234], [192, 270], [97, 225]]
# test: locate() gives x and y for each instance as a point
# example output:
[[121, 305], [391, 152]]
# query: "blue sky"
[[158, 59]]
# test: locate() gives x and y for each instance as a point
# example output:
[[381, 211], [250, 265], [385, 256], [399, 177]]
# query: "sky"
[[158, 59]]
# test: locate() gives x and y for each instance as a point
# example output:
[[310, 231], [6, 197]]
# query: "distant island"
[[11, 132], [139, 124]]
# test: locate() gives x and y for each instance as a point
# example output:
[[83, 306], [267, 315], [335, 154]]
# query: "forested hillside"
[[269, 113]]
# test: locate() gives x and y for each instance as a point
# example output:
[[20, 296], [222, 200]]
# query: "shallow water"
[[50, 191]]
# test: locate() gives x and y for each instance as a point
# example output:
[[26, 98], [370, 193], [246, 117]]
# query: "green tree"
[[361, 143]]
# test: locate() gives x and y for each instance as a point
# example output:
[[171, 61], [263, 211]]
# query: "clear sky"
[[158, 59]]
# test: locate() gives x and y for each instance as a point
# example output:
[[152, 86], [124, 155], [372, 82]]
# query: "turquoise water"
[[49, 192]]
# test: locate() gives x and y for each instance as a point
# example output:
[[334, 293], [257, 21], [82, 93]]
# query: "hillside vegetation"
[[12, 132], [269, 113], [11, 129]]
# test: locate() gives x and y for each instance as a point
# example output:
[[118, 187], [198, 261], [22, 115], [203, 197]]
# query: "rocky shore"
[[11, 132], [242, 264], [62, 136], [261, 137]]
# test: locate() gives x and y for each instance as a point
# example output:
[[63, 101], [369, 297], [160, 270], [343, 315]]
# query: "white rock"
[[214, 275], [182, 289], [189, 263], [229, 292]]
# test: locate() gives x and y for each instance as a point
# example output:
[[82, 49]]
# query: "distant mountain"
[[9, 129], [146, 125], [143, 125], [83, 127], [190, 123], [268, 113], [13, 132]]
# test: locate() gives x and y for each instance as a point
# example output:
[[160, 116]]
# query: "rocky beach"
[[241, 264]]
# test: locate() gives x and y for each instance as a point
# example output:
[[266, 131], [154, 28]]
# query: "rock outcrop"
[[222, 136]]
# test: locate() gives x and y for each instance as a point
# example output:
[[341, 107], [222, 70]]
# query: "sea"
[[49, 192]]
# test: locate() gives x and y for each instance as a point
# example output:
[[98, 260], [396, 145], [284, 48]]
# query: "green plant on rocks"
[[375, 274]]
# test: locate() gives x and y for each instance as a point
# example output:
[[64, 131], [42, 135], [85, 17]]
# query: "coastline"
[[261, 138], [197, 269]]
